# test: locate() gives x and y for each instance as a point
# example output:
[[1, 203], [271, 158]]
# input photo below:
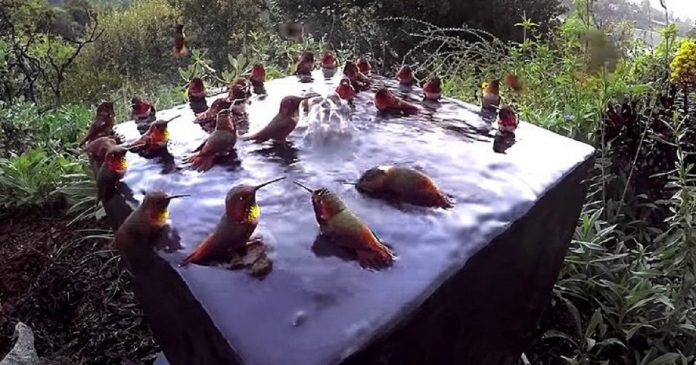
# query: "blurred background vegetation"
[[626, 294]]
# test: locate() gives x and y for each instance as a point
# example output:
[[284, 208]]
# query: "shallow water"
[[318, 309]]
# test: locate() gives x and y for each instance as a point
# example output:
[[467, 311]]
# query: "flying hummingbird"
[[219, 143], [490, 95], [235, 227], [359, 81], [304, 67], [345, 229], [110, 173], [143, 113], [403, 184], [405, 76], [432, 89], [103, 123], [283, 123], [142, 225], [364, 66], [389, 103], [155, 139], [179, 41]]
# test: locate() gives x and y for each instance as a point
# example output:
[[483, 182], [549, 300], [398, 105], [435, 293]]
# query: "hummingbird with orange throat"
[[235, 228], [345, 229], [196, 95], [257, 79], [490, 95], [143, 113], [329, 64], [110, 173], [155, 139], [145, 222], [304, 67], [359, 80], [405, 76], [432, 89]]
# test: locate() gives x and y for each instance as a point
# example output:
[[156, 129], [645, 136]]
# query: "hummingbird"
[[103, 123], [329, 64], [507, 120], [345, 90], [97, 149], [238, 95], [513, 82], [431, 89], [235, 227], [389, 103], [490, 97], [156, 137], [196, 95], [179, 41], [345, 229], [257, 78], [145, 222], [143, 113], [283, 123], [405, 76], [364, 66], [207, 119], [110, 173], [403, 184], [219, 143], [359, 81], [304, 67]]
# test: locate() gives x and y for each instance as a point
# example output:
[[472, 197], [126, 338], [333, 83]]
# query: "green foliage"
[[29, 180]]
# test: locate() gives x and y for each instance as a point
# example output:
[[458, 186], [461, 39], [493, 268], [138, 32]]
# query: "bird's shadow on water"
[[284, 152], [503, 141], [163, 157]]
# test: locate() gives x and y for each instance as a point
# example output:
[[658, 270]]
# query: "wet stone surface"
[[318, 307]]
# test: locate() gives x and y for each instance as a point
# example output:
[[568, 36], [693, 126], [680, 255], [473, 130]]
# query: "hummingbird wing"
[[219, 143], [279, 128]]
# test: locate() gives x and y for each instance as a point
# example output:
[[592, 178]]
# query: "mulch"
[[74, 293]]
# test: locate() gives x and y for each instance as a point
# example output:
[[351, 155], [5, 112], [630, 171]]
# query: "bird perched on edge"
[[103, 123], [280, 127], [235, 227]]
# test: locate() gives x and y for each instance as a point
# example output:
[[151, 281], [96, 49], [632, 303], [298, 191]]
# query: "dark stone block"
[[469, 283]]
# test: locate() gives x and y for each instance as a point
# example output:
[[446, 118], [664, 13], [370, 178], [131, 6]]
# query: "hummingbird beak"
[[172, 118], [304, 187], [268, 183], [169, 198]]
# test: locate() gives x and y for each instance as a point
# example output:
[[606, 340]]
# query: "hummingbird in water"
[[507, 120], [208, 118], [304, 67], [387, 102], [345, 90], [359, 80], [220, 143], [235, 227], [257, 78], [405, 76], [143, 113], [155, 139], [364, 66], [145, 222], [345, 229], [490, 95], [110, 173], [329, 64], [195, 93], [103, 123], [431, 89], [402, 184], [280, 127]]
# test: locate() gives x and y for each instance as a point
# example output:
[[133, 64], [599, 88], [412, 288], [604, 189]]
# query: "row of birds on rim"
[[222, 120]]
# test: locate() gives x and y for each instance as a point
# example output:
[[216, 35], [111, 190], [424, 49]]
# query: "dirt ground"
[[74, 294]]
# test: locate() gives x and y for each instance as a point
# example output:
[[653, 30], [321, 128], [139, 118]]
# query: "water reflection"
[[502, 141]]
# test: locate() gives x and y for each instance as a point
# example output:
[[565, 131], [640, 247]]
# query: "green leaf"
[[666, 359]]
